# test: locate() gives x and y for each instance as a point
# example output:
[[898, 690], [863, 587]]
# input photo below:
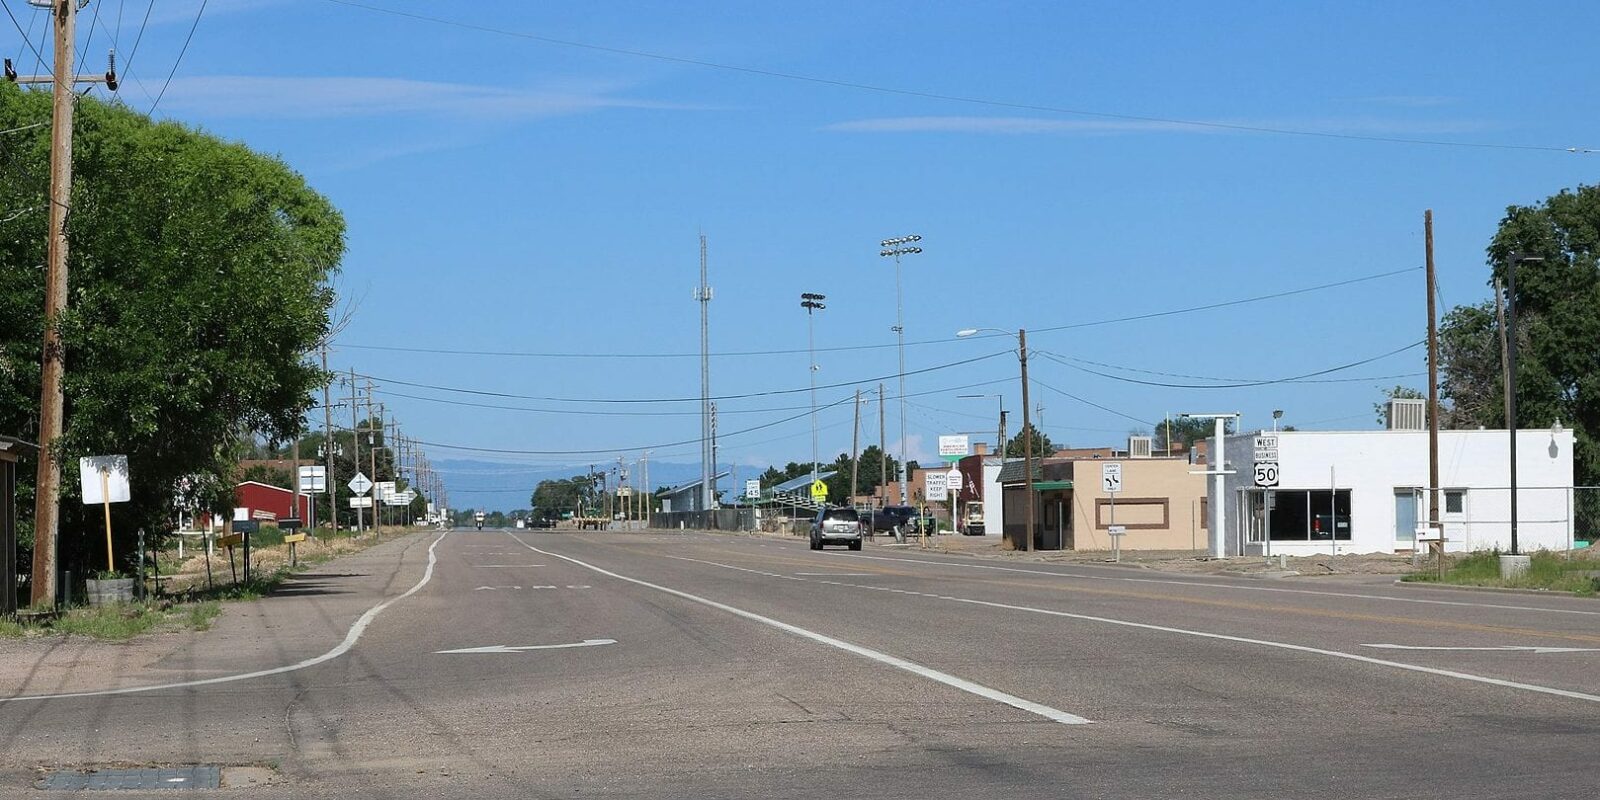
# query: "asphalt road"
[[704, 666]]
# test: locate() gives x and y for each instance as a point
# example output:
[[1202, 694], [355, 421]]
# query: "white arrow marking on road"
[[1503, 648], [500, 648]]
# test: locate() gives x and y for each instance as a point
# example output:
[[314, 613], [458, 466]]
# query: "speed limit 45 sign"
[[1266, 473]]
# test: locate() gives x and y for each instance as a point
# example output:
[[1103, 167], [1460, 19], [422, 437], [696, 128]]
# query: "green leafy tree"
[[1558, 330], [1185, 431], [269, 475], [199, 280], [1042, 446]]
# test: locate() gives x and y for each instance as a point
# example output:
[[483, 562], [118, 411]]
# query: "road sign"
[[114, 487], [1111, 477], [952, 481], [935, 484], [382, 490], [1266, 473], [1116, 530], [1266, 448], [752, 489], [313, 479], [360, 484], [953, 448], [361, 502], [819, 491]]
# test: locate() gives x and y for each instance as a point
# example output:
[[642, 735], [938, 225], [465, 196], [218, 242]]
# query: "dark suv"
[[888, 518], [836, 526]]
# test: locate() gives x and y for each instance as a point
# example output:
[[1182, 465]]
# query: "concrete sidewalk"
[[307, 615]]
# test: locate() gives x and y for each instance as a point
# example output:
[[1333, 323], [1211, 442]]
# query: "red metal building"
[[262, 497]]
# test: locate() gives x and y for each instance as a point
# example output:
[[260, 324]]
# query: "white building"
[[1364, 492]]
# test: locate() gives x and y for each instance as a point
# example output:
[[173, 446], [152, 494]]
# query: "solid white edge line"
[[350, 638], [1053, 714], [1230, 586], [1465, 676]]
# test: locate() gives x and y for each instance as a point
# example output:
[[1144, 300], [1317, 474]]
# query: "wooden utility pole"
[[1508, 371], [1027, 440], [883, 448], [328, 442], [47, 510], [372, 454], [1433, 388], [355, 443], [855, 449]]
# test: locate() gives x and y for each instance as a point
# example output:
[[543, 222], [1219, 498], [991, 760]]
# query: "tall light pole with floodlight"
[[1027, 429], [895, 248], [812, 302]]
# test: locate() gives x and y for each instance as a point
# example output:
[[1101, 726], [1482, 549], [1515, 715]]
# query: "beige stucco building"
[[1162, 504]]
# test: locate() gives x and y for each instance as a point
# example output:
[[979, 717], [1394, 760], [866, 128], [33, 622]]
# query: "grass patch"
[[1556, 572], [115, 622]]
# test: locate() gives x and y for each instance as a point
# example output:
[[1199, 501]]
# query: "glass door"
[[1406, 503]]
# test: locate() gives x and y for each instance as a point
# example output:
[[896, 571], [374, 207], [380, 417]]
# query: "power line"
[[848, 348], [1216, 378], [179, 60], [630, 448], [768, 393], [27, 36], [586, 412], [1238, 385], [1092, 403], [965, 99]]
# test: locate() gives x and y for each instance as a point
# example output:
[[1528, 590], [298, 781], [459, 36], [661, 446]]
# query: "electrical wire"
[[850, 348], [964, 99], [768, 393], [163, 93], [629, 449], [1240, 385], [586, 412], [1215, 378], [1092, 403], [27, 36]]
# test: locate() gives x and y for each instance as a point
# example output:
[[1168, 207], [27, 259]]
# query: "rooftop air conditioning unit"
[[1407, 415], [1139, 446]]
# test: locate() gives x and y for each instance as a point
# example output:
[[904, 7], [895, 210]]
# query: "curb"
[[1492, 589]]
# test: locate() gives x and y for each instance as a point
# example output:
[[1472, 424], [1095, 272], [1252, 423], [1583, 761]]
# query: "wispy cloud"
[[327, 97], [1368, 126]]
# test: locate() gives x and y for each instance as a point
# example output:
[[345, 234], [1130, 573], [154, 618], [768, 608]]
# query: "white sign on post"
[[935, 484], [361, 502], [1266, 473], [952, 480], [360, 483], [1266, 448], [953, 447], [1111, 477], [383, 490], [752, 489], [313, 480], [114, 487]]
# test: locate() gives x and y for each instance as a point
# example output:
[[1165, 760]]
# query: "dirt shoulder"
[[308, 613]]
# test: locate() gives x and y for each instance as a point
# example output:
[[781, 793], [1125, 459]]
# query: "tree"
[[1557, 334], [1042, 446], [200, 279], [1381, 408], [1183, 432], [269, 475]]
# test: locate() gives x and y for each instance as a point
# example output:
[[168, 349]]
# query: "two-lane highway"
[[666, 664]]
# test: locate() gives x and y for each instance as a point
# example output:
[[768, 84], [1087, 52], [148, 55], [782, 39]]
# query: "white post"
[[1218, 537]]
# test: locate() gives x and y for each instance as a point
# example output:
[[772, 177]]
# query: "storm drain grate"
[[197, 777]]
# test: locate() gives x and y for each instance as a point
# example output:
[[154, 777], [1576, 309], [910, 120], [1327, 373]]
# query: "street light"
[[812, 302], [895, 248], [1027, 426], [1509, 337]]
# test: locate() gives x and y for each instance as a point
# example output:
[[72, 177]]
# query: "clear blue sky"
[[506, 193]]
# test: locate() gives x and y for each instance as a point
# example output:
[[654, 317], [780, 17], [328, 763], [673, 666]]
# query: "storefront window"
[[1307, 516]]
